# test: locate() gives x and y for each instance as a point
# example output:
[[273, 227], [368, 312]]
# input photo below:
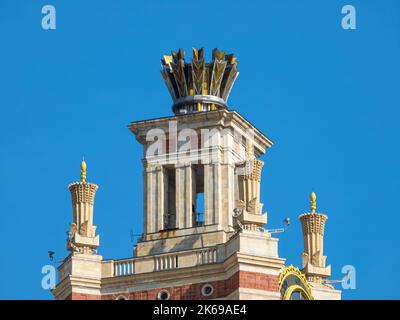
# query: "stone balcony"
[[248, 242], [162, 262]]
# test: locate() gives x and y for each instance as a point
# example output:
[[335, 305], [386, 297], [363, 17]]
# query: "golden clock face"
[[293, 285]]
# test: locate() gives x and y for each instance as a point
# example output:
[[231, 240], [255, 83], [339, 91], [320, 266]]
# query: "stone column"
[[217, 218], [144, 199], [208, 194], [184, 196], [188, 196], [213, 193], [249, 178], [194, 196], [166, 191], [160, 211], [151, 199], [228, 192]]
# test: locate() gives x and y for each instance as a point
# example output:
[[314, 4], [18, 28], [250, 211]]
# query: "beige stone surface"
[[177, 248], [321, 293]]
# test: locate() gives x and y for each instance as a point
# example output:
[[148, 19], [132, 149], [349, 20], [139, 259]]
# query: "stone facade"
[[203, 224], [234, 270], [241, 285]]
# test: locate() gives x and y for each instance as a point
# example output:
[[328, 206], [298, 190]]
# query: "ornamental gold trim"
[[292, 289], [199, 79], [292, 270]]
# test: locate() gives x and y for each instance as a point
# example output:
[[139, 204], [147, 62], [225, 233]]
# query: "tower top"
[[199, 86], [313, 200]]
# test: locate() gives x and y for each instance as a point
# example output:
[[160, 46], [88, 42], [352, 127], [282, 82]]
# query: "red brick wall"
[[84, 296], [261, 281], [222, 288]]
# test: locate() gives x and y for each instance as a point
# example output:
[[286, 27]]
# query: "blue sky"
[[328, 98]]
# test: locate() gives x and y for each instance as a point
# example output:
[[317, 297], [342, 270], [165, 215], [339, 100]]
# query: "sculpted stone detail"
[[250, 170], [249, 179], [82, 235], [254, 206], [314, 223], [313, 259], [203, 223], [82, 192]]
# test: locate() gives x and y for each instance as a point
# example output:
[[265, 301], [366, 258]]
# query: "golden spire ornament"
[[197, 85], [313, 200], [83, 171]]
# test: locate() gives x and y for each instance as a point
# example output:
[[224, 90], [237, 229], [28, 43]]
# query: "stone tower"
[[79, 276], [204, 153], [313, 259], [203, 220], [82, 236]]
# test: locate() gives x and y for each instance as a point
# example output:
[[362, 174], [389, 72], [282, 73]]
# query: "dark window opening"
[[198, 195], [169, 199]]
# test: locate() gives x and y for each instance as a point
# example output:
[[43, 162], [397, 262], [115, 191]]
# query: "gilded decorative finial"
[[197, 85], [313, 199], [83, 171]]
